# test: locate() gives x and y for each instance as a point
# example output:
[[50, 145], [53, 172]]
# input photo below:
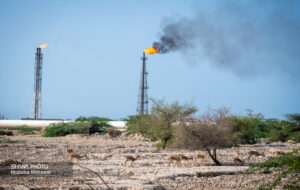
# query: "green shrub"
[[100, 127], [165, 116], [160, 123], [93, 119], [290, 160], [59, 129], [295, 136], [244, 129], [25, 130], [82, 127], [278, 135], [77, 127], [140, 124], [248, 129], [288, 130], [287, 166], [97, 124], [265, 126]]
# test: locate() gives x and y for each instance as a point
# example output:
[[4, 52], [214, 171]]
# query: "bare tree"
[[212, 131]]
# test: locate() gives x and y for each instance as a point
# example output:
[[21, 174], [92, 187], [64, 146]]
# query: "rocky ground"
[[106, 156]]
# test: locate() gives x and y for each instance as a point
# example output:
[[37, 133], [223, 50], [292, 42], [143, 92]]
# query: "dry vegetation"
[[212, 131], [170, 148], [105, 156]]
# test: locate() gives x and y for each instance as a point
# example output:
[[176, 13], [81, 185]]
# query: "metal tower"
[[142, 107], [37, 113]]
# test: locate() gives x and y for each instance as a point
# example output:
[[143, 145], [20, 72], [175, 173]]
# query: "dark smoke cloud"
[[173, 38], [246, 37]]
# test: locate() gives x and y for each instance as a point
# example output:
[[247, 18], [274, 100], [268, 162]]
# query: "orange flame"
[[43, 46], [151, 50]]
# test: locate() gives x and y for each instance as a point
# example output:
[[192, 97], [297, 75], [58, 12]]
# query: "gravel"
[[150, 171]]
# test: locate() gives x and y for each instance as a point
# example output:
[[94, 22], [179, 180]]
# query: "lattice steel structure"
[[37, 98], [142, 107]]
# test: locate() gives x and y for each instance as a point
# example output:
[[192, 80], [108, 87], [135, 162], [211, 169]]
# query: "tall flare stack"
[[37, 113], [142, 107]]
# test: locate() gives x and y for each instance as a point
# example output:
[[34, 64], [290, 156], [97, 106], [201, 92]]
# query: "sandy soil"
[[150, 171]]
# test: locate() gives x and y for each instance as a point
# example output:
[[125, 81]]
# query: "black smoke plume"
[[173, 38], [246, 37]]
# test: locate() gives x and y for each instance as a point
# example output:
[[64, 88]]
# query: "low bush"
[[25, 130], [98, 127], [77, 127], [244, 129], [97, 124], [93, 119], [249, 129], [295, 136], [278, 135], [59, 129], [82, 127], [288, 130], [141, 124], [286, 166]]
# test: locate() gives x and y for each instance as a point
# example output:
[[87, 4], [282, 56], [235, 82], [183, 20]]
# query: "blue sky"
[[92, 63]]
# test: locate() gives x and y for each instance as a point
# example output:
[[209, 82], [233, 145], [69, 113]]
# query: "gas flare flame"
[[151, 50], [43, 46]]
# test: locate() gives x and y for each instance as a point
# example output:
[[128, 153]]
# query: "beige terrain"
[[151, 170]]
